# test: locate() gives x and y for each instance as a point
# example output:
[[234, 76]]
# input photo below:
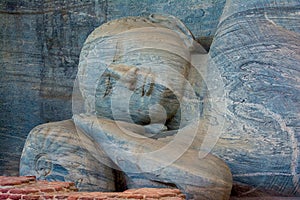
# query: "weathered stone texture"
[[146, 161], [256, 51], [122, 59], [40, 42], [58, 152], [200, 16], [123, 71]]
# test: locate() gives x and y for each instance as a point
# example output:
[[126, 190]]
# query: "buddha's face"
[[137, 75], [133, 94]]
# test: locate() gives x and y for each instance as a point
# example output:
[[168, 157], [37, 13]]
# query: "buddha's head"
[[136, 70]]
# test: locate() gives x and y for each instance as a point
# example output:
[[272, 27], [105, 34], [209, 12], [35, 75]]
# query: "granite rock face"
[[40, 42], [200, 16], [256, 52]]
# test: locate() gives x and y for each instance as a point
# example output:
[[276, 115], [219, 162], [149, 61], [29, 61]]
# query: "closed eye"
[[108, 86]]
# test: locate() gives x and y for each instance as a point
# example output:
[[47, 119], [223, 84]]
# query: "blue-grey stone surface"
[[146, 161], [55, 152], [200, 16], [256, 51], [40, 42], [124, 72]]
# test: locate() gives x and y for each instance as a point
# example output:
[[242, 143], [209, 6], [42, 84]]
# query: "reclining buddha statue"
[[151, 108], [139, 105]]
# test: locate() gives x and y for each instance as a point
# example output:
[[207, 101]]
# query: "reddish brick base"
[[27, 187]]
